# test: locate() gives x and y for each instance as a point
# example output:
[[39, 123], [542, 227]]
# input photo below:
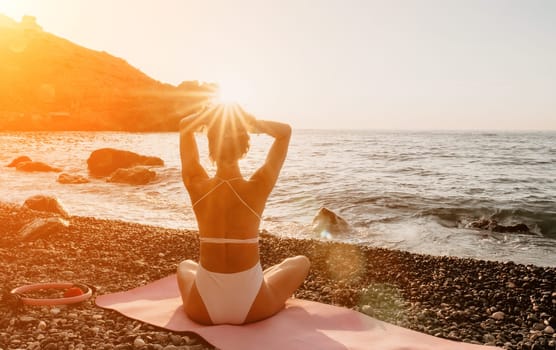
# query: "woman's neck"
[[228, 170]]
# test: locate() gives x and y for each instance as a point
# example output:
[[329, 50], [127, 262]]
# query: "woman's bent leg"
[[287, 276], [280, 283], [192, 301], [186, 276]]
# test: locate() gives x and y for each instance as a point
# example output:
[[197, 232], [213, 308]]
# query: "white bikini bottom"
[[228, 297]]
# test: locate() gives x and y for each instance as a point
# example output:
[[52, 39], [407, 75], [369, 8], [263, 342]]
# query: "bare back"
[[228, 209]]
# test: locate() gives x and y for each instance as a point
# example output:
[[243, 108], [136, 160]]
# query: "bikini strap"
[[206, 194], [241, 199], [227, 182]]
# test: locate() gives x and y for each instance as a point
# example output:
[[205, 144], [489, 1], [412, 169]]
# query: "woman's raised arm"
[[191, 168], [269, 171]]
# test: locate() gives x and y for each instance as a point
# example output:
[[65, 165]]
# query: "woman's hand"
[[196, 121], [249, 121], [275, 129], [251, 124]]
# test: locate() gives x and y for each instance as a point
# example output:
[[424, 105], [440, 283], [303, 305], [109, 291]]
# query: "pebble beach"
[[509, 305]]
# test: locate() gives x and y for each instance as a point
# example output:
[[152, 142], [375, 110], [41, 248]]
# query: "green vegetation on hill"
[[49, 83]]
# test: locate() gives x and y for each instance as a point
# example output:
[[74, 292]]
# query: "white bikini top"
[[228, 240]]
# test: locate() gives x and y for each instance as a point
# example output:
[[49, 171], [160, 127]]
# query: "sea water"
[[413, 191]]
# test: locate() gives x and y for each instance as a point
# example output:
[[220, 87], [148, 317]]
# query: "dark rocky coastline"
[[505, 304]]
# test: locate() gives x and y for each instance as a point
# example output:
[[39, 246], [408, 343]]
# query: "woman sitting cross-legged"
[[228, 285]]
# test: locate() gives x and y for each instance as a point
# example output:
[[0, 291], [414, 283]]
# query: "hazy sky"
[[430, 64]]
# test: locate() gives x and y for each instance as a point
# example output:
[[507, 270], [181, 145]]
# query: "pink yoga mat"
[[301, 325]]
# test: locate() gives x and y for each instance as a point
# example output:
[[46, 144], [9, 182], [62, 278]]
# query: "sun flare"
[[230, 92]]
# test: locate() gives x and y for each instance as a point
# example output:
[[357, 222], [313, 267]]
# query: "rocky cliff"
[[49, 83]]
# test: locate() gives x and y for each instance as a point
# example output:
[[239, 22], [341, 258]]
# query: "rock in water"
[[47, 204], [18, 160], [328, 221], [133, 176], [35, 166], [65, 178], [512, 228], [41, 228], [105, 161], [494, 226]]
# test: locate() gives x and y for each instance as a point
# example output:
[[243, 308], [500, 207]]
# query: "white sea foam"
[[402, 190]]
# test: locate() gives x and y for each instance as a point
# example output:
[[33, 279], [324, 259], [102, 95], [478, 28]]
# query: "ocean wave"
[[543, 223], [412, 191]]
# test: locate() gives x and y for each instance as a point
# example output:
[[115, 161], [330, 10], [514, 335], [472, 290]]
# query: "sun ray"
[[221, 130]]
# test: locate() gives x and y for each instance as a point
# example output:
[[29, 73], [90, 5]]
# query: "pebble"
[[451, 297], [139, 343], [33, 345], [488, 338], [549, 330], [498, 315], [50, 346], [188, 340], [27, 319], [161, 337], [175, 339]]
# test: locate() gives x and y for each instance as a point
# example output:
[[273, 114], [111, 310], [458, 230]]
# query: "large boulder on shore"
[[134, 176], [16, 161], [46, 204], [39, 228], [36, 166], [105, 161]]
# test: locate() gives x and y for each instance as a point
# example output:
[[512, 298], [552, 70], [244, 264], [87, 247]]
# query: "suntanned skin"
[[222, 215]]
